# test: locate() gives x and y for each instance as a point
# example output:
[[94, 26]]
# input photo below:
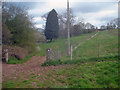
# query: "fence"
[[74, 46], [55, 53]]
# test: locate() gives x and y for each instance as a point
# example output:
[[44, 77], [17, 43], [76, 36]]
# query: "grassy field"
[[58, 44], [61, 44], [108, 46], [85, 75], [86, 70], [89, 49]]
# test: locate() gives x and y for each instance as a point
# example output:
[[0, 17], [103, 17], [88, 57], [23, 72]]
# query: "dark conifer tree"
[[52, 26]]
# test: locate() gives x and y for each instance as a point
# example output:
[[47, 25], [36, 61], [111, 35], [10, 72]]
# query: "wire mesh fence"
[[74, 46], [55, 53]]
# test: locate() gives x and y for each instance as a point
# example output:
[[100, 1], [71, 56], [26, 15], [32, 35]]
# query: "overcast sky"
[[96, 12]]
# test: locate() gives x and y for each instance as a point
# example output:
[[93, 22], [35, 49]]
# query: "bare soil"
[[23, 71]]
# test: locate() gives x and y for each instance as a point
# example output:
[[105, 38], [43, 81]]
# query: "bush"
[[18, 29], [15, 51]]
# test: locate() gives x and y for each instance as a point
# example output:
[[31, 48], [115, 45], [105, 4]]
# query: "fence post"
[[58, 56], [71, 52], [47, 54], [98, 49], [6, 55]]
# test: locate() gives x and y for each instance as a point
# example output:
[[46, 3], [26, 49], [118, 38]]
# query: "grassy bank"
[[61, 44], [81, 60], [88, 51], [84, 75]]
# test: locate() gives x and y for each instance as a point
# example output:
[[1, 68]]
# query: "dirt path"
[[22, 71], [76, 45]]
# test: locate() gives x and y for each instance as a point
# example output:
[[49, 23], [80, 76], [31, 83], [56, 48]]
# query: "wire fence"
[[54, 53], [74, 46]]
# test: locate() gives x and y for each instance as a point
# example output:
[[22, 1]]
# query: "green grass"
[[84, 75], [86, 70], [108, 46], [91, 75], [89, 49], [61, 44], [57, 44], [13, 60], [79, 61]]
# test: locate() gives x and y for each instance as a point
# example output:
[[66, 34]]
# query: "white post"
[[71, 52], [6, 56]]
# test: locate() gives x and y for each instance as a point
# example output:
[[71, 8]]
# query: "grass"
[[61, 44], [91, 75], [85, 75], [13, 60], [58, 44], [89, 50], [81, 60], [86, 70], [108, 46]]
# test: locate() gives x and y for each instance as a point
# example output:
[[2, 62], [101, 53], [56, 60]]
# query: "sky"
[[96, 12]]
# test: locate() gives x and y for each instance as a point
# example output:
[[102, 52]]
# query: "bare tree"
[[103, 27], [44, 17], [63, 17], [63, 23], [114, 23], [88, 26]]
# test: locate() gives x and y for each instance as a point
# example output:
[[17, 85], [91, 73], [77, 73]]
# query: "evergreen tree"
[[52, 26]]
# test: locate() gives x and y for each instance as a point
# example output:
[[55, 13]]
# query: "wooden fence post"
[[71, 52], [47, 54], [58, 56]]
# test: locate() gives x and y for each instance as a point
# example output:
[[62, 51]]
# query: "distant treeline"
[[75, 32]]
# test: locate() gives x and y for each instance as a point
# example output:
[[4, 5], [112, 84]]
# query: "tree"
[[103, 27], [63, 23], [44, 17], [88, 25], [20, 26], [77, 30], [114, 23], [52, 26], [6, 35]]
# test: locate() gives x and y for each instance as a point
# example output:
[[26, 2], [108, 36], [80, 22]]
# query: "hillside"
[[86, 70], [88, 49]]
